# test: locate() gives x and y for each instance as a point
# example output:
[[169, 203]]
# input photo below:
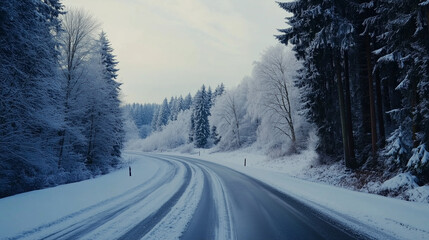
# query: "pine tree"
[[191, 136], [322, 34], [215, 136], [187, 102], [405, 44], [218, 91], [171, 104], [176, 108], [105, 134], [154, 122], [164, 115], [201, 113], [209, 97]]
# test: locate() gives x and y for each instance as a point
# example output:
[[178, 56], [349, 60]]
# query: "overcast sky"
[[171, 47]]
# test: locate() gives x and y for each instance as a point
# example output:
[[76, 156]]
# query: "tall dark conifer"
[[322, 34], [201, 112]]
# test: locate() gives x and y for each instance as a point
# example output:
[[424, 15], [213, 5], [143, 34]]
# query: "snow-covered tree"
[[187, 102], [229, 113], [276, 70], [322, 36], [176, 108], [30, 115], [59, 99], [141, 115], [218, 91], [201, 112], [215, 136], [154, 122], [77, 45], [104, 131], [232, 118], [210, 97], [163, 115], [172, 136], [403, 29]]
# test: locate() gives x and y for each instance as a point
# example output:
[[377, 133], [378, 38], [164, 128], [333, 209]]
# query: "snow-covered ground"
[[399, 218], [34, 214], [47, 212], [306, 165]]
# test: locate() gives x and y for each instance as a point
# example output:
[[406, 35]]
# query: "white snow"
[[172, 226], [33, 214], [37, 210], [420, 157], [143, 208], [400, 180], [363, 211]]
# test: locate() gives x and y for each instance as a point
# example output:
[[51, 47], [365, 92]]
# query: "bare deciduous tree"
[[230, 116], [275, 70], [76, 46]]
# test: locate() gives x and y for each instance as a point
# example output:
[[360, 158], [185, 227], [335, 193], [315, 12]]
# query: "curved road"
[[258, 211], [194, 199]]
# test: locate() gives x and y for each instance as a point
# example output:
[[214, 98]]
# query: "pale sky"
[[169, 48]]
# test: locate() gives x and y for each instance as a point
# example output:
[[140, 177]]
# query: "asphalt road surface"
[[258, 211], [228, 205]]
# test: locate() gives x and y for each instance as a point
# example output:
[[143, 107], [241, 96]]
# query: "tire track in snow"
[[212, 218], [175, 222], [116, 206], [260, 211], [146, 225], [205, 212]]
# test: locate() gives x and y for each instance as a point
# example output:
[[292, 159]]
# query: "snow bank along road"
[[178, 197]]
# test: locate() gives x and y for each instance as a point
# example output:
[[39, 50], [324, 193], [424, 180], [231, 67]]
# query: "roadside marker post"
[[129, 168], [245, 162]]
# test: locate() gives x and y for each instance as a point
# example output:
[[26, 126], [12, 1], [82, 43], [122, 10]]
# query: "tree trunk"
[[365, 127], [348, 108], [63, 132], [342, 114], [414, 112], [380, 112], [89, 158], [387, 101], [371, 96], [62, 140]]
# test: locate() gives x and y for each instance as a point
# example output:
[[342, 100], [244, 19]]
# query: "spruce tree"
[[187, 102], [403, 32], [164, 115], [112, 125], [201, 112], [323, 36]]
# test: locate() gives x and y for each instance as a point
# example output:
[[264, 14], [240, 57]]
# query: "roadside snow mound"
[[400, 182], [404, 186], [419, 194]]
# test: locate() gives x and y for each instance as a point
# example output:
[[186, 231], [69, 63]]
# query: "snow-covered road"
[[170, 197]]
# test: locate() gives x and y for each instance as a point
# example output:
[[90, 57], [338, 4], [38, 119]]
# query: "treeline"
[[60, 119], [169, 110], [263, 111], [141, 116], [365, 78], [153, 118]]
